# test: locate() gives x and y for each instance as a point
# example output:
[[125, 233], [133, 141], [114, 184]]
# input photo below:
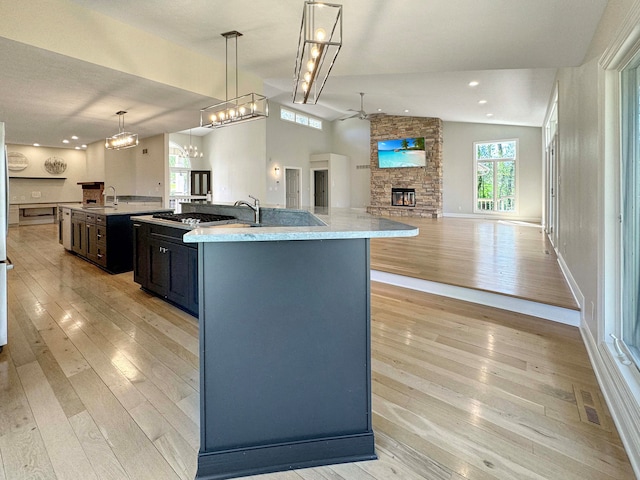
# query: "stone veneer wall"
[[427, 181]]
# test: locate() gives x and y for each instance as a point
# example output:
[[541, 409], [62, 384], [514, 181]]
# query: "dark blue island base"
[[285, 372]]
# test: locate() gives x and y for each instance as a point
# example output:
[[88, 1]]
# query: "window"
[[287, 115], [630, 208], [300, 118], [315, 123], [495, 173], [179, 171]]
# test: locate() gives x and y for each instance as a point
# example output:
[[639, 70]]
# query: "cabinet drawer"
[[101, 234], [90, 217], [101, 219], [101, 256], [80, 216]]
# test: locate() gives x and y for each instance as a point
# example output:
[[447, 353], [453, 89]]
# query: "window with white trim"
[[300, 118], [630, 208], [179, 171], [495, 174]]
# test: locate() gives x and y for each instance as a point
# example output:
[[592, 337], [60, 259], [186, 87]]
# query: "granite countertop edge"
[[340, 224], [123, 209]]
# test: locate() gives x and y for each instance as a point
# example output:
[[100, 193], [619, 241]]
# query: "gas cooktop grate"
[[202, 217]]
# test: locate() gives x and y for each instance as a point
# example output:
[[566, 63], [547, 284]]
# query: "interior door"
[[321, 188], [552, 191], [292, 180]]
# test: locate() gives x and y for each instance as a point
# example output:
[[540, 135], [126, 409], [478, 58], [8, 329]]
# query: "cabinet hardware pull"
[[99, 236], [99, 255]]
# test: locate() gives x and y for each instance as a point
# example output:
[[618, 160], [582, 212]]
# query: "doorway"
[[200, 182], [321, 188], [552, 173], [292, 187]]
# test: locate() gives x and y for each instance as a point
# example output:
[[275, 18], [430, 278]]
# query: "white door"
[[292, 182], [552, 191]]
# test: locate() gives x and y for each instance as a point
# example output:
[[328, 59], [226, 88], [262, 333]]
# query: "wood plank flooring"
[[99, 381], [509, 258]]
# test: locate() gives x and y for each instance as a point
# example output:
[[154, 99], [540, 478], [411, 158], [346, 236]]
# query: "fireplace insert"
[[403, 197]]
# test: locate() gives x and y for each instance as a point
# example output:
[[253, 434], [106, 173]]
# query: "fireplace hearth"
[[403, 197]]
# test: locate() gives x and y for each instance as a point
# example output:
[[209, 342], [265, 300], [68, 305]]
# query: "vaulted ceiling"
[[410, 57]]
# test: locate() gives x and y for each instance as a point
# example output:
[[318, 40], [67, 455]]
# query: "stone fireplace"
[[418, 190]]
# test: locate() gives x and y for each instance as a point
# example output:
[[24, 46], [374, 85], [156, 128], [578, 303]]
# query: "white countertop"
[[120, 209], [340, 224]]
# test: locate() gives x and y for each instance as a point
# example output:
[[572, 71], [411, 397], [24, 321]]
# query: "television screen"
[[402, 152]]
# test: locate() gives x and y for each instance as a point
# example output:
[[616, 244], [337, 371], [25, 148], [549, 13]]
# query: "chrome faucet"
[[255, 207], [115, 198]]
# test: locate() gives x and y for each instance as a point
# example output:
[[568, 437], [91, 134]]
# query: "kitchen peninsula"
[[285, 376]]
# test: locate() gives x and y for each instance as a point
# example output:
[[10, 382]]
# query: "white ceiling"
[[418, 55]]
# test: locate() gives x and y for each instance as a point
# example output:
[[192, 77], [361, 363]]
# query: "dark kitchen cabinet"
[[105, 240], [166, 266]]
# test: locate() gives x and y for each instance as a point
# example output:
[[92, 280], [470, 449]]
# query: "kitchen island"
[[285, 377], [103, 235]]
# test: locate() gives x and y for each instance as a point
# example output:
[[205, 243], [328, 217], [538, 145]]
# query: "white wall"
[[291, 145], [51, 190], [352, 138], [95, 162], [237, 159], [339, 167], [130, 171], [587, 217], [458, 180], [150, 161]]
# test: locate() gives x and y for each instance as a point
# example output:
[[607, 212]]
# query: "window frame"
[[494, 211], [299, 118], [175, 150]]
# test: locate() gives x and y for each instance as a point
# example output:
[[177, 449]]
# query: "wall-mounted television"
[[402, 152]]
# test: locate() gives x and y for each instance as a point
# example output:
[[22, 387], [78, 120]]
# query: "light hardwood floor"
[[100, 381], [509, 258]]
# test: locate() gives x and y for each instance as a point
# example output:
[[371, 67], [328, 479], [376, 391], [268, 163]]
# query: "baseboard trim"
[[621, 389], [504, 302], [573, 285], [505, 218], [285, 456]]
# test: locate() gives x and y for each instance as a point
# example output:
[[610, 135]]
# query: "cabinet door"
[[91, 242], [158, 264], [140, 257], [178, 287], [78, 237]]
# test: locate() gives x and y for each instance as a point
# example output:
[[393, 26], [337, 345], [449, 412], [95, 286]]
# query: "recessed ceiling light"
[[489, 114], [65, 141], [77, 148], [482, 102], [36, 144], [83, 146], [379, 109], [406, 110], [74, 137], [474, 84]]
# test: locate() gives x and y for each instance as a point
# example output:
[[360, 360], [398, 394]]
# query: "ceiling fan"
[[361, 114]]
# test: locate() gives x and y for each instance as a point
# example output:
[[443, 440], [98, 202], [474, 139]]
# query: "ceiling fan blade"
[[350, 116]]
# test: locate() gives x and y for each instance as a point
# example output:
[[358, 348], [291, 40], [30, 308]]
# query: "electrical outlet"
[[36, 194]]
